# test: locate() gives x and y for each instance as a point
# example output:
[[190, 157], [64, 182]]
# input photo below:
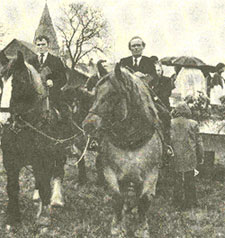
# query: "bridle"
[[109, 125], [17, 121]]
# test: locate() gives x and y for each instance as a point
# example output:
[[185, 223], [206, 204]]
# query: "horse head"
[[20, 87], [110, 105], [121, 99]]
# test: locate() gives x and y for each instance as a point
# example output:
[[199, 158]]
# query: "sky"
[[168, 27]]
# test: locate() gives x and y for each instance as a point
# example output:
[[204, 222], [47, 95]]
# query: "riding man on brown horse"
[[145, 68]]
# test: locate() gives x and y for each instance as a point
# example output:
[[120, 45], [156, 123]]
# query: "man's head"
[[158, 69], [42, 43], [136, 46]]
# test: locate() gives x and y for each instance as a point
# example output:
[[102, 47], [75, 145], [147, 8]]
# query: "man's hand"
[[139, 74], [49, 83]]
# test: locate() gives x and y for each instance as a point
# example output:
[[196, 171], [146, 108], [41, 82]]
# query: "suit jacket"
[[146, 66], [187, 144], [163, 90], [57, 75]]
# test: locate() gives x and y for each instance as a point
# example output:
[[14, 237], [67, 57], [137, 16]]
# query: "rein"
[[57, 141]]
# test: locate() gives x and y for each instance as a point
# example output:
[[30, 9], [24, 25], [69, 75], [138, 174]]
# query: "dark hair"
[[102, 71], [135, 37], [42, 37], [219, 66], [154, 59]]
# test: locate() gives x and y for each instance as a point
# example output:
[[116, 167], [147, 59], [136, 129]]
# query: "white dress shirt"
[[44, 57], [138, 60]]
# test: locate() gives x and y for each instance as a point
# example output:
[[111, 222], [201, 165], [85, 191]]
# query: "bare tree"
[[84, 30], [3, 32]]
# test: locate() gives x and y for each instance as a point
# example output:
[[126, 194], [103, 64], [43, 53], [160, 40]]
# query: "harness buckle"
[[14, 129]]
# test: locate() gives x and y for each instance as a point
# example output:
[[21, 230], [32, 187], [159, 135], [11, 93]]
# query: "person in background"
[[164, 87], [93, 80], [177, 69], [188, 152]]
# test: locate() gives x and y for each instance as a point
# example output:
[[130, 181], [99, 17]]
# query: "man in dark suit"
[[142, 66], [145, 68], [57, 78]]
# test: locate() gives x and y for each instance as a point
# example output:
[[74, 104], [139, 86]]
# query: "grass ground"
[[88, 213]]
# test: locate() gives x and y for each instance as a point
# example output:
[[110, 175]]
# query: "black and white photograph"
[[112, 119]]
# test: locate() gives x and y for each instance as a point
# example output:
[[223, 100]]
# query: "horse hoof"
[[142, 231], [117, 229], [43, 221], [57, 203], [44, 231], [11, 229], [43, 218], [36, 196], [57, 198]]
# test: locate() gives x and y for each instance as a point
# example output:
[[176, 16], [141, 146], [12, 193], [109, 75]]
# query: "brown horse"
[[124, 116]]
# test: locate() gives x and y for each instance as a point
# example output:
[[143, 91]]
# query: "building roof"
[[26, 48], [46, 28]]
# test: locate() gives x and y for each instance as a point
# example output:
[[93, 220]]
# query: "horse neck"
[[140, 103]]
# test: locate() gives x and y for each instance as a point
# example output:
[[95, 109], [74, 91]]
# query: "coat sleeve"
[[91, 82], [59, 76], [199, 145], [151, 72]]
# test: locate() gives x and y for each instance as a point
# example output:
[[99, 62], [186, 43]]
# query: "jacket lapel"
[[47, 59]]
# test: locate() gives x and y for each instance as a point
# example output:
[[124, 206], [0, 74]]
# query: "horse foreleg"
[[118, 203], [13, 212], [45, 188], [113, 184], [57, 197], [58, 174], [43, 216], [99, 167], [82, 176], [149, 190], [36, 196]]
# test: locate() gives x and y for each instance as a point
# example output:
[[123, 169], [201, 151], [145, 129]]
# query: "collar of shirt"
[[138, 60], [44, 58]]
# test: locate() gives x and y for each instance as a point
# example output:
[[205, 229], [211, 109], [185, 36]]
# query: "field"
[[88, 213]]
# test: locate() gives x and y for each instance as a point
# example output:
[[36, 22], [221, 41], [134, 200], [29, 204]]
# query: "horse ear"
[[20, 58]]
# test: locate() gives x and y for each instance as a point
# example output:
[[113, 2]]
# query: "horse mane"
[[138, 90], [37, 81]]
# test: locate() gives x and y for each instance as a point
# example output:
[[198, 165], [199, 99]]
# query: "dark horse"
[[33, 133], [124, 115]]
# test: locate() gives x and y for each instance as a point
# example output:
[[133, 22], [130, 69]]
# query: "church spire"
[[46, 28]]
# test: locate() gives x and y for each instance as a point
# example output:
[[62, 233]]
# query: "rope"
[[78, 127], [57, 141], [84, 152]]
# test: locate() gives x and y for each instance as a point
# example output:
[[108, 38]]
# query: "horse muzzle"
[[91, 124]]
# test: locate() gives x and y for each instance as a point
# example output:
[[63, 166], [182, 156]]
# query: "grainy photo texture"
[[112, 119]]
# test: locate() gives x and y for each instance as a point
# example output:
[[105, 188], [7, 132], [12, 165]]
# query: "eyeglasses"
[[42, 44]]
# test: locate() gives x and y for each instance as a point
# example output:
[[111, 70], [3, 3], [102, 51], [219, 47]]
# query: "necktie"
[[42, 58], [135, 64]]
